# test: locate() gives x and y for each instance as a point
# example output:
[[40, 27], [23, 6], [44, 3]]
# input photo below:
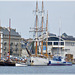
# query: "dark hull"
[[7, 64], [59, 64]]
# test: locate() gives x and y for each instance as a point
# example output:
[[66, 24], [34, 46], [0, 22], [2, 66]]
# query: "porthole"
[[30, 60]]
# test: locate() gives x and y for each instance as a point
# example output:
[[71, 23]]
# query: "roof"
[[13, 32], [67, 37], [51, 34]]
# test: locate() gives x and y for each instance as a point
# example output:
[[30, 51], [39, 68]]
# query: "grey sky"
[[22, 16]]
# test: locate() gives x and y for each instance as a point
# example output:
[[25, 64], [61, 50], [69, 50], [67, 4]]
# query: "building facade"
[[15, 42], [59, 45]]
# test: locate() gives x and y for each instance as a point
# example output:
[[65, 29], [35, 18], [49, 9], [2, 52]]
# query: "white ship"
[[38, 59]]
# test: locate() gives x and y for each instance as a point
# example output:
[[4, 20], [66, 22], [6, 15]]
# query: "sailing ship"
[[44, 59], [38, 59], [7, 62]]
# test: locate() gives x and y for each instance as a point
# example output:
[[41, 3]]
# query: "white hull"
[[36, 61], [21, 64]]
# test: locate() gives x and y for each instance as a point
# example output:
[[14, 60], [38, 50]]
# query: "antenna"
[[60, 23], [59, 43]]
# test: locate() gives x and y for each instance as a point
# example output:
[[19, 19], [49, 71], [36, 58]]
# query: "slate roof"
[[67, 37], [64, 36], [13, 32], [51, 34]]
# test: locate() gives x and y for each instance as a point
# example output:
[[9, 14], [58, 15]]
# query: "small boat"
[[7, 63], [21, 64], [59, 61]]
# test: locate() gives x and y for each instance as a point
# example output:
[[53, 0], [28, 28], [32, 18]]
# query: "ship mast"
[[42, 30], [59, 41], [0, 40], [9, 36], [36, 27], [46, 32]]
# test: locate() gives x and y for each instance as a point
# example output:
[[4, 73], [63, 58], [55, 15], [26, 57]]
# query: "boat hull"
[[59, 63], [7, 64], [37, 61], [21, 64]]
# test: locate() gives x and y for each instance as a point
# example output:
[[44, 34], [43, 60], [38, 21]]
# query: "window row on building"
[[54, 43]]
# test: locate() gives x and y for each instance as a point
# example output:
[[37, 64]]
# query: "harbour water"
[[38, 70]]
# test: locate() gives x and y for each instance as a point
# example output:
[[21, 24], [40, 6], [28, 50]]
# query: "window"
[[16, 43], [54, 39], [62, 43], [49, 43], [55, 43], [5, 42], [11, 43], [44, 43]]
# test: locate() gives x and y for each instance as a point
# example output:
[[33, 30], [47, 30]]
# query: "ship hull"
[[59, 63], [21, 64], [7, 64], [37, 61]]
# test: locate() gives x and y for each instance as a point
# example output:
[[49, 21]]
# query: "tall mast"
[[42, 29], [36, 27], [46, 32], [60, 35], [0, 40], [9, 36], [59, 42]]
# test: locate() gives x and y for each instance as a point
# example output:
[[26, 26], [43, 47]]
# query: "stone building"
[[15, 42]]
